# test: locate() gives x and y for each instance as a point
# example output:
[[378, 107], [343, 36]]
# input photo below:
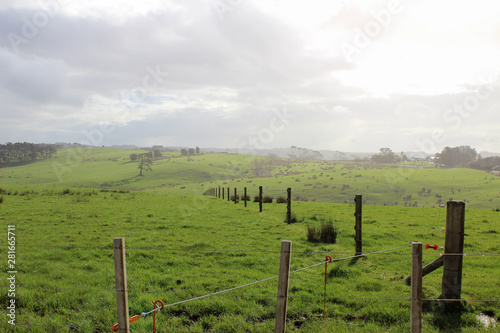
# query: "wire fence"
[[394, 252]]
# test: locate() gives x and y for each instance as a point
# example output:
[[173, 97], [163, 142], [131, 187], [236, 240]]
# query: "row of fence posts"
[[220, 192], [452, 260]]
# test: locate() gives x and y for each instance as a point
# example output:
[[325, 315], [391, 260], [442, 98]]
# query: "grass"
[[407, 184], [182, 246]]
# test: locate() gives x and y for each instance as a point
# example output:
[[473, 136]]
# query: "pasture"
[[181, 246], [407, 184]]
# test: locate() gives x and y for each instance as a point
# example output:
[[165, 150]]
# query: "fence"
[[218, 192], [416, 299]]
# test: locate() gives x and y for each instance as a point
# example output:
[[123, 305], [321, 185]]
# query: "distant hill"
[[410, 184]]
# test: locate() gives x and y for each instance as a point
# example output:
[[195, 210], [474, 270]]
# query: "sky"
[[322, 74]]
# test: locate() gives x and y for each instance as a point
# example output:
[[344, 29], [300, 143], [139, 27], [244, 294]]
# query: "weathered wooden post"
[[416, 287], [235, 201], [121, 284], [358, 199], [219, 192], [228, 195], [260, 199], [245, 196], [453, 250], [283, 281], [223, 193], [289, 205]]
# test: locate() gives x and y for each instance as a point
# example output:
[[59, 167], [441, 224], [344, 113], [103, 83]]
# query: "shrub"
[[1, 199], [247, 197], [256, 198], [281, 200], [267, 199], [237, 198], [326, 233], [67, 191]]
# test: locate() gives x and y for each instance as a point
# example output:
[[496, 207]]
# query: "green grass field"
[[181, 244], [322, 181]]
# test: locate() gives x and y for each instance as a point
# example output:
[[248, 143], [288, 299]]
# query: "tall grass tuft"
[[326, 233], [267, 199]]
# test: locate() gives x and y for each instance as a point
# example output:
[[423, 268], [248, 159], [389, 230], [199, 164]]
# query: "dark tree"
[[157, 153], [133, 157], [460, 156], [385, 156], [197, 150], [191, 151], [184, 152], [145, 163]]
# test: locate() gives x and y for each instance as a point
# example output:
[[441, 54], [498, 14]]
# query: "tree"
[[184, 152], [145, 163], [197, 150], [133, 157], [460, 156], [157, 153], [385, 156], [191, 151]]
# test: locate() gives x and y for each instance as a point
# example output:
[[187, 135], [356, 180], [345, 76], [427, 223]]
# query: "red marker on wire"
[[435, 247]]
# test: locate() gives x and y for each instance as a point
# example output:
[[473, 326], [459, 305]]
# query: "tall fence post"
[[121, 284], [245, 196], [260, 199], [451, 287], [358, 199], [283, 281], [235, 201], [219, 192], [228, 195], [223, 193], [289, 205], [416, 287]]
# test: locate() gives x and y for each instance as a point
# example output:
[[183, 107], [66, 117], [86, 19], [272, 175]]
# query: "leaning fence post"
[[358, 199], [121, 284], [453, 249], [260, 198], [416, 287], [283, 280], [289, 205]]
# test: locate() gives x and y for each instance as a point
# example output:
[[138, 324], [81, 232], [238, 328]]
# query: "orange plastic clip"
[[130, 320]]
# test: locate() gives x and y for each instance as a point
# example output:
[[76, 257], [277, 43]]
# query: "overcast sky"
[[322, 74]]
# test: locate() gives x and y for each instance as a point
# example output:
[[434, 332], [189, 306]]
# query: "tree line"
[[450, 157], [190, 151], [25, 151]]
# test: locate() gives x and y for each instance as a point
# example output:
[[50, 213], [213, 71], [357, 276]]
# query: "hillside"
[[323, 181]]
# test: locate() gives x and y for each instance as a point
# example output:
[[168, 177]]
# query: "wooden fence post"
[[245, 196], [453, 244], [358, 199], [416, 287], [289, 205], [219, 192], [223, 193], [235, 201], [260, 199], [228, 195], [283, 280], [121, 284]]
